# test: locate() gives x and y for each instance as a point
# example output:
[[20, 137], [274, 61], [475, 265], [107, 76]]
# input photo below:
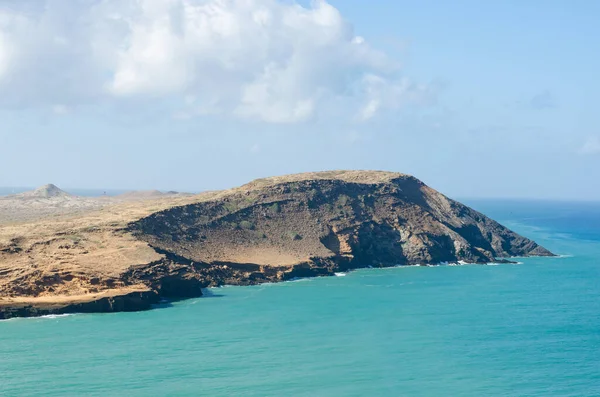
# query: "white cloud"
[[370, 109], [381, 92], [266, 60], [591, 146]]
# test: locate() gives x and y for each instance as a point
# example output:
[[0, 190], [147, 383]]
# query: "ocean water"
[[531, 329]]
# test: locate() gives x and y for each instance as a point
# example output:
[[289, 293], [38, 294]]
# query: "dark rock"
[[328, 221], [131, 302]]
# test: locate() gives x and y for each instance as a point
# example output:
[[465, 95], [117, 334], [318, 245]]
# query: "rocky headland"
[[127, 255]]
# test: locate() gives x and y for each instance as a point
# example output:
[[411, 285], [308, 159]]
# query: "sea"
[[525, 329]]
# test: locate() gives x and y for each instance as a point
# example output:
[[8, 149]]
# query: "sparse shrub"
[[342, 200], [246, 225], [294, 236], [230, 206], [75, 237], [258, 234]]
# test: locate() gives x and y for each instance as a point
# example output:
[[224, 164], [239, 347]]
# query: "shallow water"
[[509, 330]]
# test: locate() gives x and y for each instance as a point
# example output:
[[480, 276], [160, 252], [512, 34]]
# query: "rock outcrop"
[[129, 302]]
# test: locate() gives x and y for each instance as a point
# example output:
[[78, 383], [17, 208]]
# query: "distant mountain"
[[46, 191], [141, 194], [148, 194]]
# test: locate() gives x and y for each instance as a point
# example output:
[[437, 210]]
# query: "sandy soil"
[[69, 299], [50, 236]]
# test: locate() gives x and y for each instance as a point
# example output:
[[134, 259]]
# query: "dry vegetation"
[[54, 246]]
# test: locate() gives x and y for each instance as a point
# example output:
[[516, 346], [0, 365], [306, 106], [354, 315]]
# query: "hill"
[[271, 229], [46, 191]]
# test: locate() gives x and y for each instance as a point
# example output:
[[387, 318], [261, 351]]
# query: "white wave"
[[14, 319], [51, 316], [46, 317], [297, 279], [503, 263], [340, 274]]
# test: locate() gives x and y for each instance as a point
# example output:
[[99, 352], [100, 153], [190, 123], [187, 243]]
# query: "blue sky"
[[478, 99]]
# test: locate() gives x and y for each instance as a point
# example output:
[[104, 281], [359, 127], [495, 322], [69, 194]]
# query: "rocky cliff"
[[319, 223], [279, 228]]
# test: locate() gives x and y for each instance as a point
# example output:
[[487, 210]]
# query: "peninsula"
[[127, 253]]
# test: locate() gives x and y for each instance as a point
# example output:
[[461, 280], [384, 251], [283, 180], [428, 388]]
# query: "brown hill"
[[271, 229]]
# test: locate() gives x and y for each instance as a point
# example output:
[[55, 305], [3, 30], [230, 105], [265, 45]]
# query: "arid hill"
[[128, 255], [43, 202], [45, 191], [148, 194]]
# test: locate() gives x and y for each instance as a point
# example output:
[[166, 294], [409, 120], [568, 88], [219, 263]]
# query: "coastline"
[[141, 298], [129, 255], [106, 302]]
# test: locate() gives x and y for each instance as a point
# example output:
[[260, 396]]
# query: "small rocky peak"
[[48, 191]]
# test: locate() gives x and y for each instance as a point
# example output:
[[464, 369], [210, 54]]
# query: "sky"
[[477, 99]]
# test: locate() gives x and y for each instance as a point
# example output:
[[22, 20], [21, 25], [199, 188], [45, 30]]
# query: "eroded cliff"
[[271, 229], [311, 224]]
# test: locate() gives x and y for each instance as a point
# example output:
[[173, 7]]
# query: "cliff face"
[[272, 229], [128, 302], [335, 221]]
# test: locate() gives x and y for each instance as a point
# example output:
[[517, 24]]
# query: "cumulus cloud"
[[266, 60], [381, 92], [591, 146]]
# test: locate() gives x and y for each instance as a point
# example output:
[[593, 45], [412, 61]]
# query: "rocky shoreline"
[[131, 302], [270, 230], [185, 289]]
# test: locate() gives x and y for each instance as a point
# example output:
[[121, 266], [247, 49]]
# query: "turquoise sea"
[[531, 329]]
